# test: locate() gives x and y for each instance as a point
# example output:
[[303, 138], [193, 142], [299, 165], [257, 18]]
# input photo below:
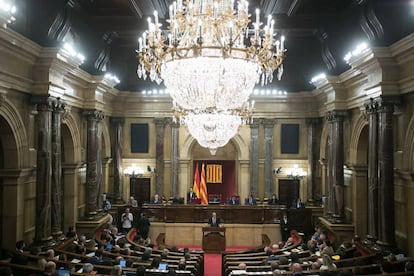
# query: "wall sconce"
[[277, 170], [133, 171], [296, 173]]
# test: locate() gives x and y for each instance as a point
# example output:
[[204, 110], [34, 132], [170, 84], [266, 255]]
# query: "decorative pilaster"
[[159, 154], [386, 229], [44, 169], [371, 108], [117, 128], [93, 161], [268, 165], [175, 127], [336, 163], [312, 157], [254, 156], [56, 186]]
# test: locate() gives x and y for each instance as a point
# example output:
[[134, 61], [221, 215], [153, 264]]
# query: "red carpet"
[[212, 262]]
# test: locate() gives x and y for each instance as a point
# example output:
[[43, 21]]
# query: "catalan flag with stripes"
[[196, 184], [203, 186], [214, 173]]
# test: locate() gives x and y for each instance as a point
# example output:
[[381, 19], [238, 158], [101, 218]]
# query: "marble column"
[[159, 155], [312, 157], [268, 165], [117, 128], [175, 127], [93, 161], [386, 229], [254, 156], [43, 229], [56, 186], [336, 163], [371, 108]]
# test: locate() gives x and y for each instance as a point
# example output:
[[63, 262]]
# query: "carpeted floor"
[[212, 262]]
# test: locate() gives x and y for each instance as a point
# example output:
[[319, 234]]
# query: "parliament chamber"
[[335, 152]]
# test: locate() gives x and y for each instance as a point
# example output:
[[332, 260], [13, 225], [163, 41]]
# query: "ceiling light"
[[210, 60]]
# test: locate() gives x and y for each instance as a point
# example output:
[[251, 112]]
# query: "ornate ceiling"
[[318, 32]]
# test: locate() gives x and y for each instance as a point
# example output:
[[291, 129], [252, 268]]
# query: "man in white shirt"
[[127, 218]]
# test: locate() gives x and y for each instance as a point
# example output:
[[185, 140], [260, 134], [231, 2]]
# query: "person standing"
[[127, 218], [190, 195], [143, 226], [284, 227], [106, 205], [214, 221]]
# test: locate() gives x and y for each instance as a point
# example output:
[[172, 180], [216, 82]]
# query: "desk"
[[214, 239], [195, 201]]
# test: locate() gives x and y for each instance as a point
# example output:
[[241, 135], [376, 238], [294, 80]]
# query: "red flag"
[[203, 187], [196, 185]]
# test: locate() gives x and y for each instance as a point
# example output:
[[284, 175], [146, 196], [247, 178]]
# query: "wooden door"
[[288, 191], [140, 189]]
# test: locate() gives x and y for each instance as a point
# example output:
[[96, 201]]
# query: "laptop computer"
[[163, 266], [64, 272], [122, 263]]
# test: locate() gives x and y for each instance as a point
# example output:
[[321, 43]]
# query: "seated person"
[[234, 201], [132, 202], [298, 204], [273, 200], [156, 199], [250, 200]]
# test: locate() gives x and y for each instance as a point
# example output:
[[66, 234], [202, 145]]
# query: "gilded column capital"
[[269, 123], [255, 122], [160, 122], [336, 115], [313, 121], [117, 120], [371, 106], [94, 114], [387, 103], [43, 103]]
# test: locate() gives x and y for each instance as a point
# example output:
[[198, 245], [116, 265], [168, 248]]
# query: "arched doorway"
[[71, 171], [8, 160], [357, 196]]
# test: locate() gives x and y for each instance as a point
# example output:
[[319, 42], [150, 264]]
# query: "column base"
[[337, 218], [43, 243]]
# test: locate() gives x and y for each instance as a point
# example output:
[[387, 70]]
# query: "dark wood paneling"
[[300, 219]]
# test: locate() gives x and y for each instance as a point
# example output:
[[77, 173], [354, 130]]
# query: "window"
[[139, 138], [290, 138]]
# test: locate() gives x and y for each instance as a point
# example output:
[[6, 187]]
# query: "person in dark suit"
[[297, 204], [143, 226], [273, 200], [234, 201], [214, 221], [191, 194], [284, 227], [250, 200]]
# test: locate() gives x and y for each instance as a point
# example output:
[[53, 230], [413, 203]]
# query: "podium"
[[214, 239]]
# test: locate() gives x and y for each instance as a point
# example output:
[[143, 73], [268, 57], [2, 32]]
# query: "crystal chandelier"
[[210, 61]]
